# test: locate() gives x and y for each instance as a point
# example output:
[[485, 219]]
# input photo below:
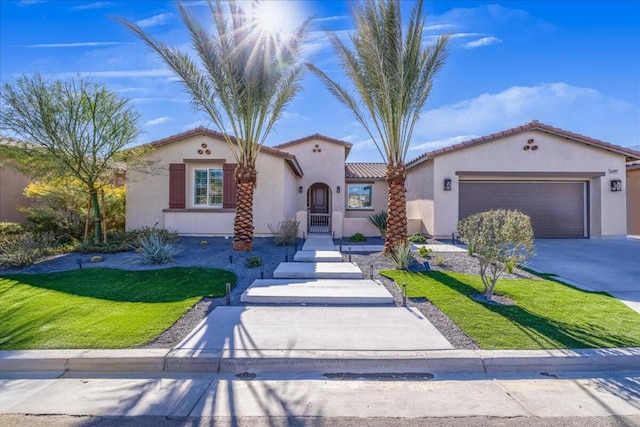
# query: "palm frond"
[[242, 76], [390, 72]]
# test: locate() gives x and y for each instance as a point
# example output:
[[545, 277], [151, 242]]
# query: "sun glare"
[[276, 16]]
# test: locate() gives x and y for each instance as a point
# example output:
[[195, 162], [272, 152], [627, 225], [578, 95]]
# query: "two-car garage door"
[[557, 209]]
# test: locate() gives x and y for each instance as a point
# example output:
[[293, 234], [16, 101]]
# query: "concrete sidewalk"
[[322, 397]]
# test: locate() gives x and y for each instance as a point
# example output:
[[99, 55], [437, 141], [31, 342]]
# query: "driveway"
[[609, 265]]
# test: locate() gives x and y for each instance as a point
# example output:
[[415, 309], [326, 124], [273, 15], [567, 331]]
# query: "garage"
[[557, 209]]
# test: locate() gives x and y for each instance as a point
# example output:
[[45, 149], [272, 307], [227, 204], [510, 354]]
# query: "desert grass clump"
[[401, 255], [285, 233]]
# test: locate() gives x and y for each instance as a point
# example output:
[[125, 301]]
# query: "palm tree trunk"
[[397, 206], [243, 222]]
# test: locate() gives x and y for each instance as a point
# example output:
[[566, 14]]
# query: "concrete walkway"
[[340, 326], [322, 399], [443, 248]]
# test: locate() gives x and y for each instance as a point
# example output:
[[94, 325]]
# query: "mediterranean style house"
[[571, 186]]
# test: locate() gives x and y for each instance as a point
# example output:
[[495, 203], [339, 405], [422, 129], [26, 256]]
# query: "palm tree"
[[392, 73], [246, 76]]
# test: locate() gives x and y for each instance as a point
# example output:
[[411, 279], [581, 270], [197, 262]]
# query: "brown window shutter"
[[177, 185], [229, 185]]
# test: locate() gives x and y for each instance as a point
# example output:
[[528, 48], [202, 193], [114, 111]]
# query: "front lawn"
[[548, 314], [99, 307]]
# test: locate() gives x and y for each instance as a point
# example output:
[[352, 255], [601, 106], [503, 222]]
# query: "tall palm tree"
[[392, 73], [246, 76]]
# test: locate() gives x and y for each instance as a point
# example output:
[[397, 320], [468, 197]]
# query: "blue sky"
[[570, 64]]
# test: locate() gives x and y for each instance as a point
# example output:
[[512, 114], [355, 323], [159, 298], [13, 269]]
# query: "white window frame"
[[360, 196], [195, 188]]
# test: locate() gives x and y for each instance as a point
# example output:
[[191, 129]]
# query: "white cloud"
[[577, 109], [331, 18], [485, 41], [22, 3], [154, 20], [79, 44], [151, 99], [158, 121], [439, 27], [132, 89], [287, 115], [119, 73], [445, 142], [94, 5], [195, 124]]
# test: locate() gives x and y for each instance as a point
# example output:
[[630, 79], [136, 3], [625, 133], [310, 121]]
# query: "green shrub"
[[379, 220], [61, 208], [424, 252], [417, 238], [401, 255], [285, 233], [10, 228], [254, 261], [117, 241], [157, 246], [23, 250], [358, 237], [501, 239]]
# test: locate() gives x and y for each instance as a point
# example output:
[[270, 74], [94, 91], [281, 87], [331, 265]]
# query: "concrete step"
[[314, 291], [319, 244], [318, 256], [317, 270]]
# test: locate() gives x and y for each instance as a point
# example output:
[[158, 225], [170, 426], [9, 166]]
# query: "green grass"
[[548, 314], [99, 307]]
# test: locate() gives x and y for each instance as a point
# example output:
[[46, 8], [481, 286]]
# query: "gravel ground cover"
[[218, 253]]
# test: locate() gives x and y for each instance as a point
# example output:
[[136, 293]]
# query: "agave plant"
[[379, 220]]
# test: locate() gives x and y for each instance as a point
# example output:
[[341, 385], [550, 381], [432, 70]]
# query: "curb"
[[486, 362]]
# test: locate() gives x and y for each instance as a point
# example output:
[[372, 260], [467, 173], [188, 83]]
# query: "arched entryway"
[[319, 208]]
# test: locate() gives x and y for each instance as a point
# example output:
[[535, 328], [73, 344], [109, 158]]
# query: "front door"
[[318, 206], [319, 199]]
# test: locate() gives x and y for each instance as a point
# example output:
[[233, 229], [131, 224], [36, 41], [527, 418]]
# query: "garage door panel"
[[557, 209]]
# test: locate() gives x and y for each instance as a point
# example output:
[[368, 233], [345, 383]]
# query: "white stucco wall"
[[148, 195], [325, 166], [420, 205], [607, 209]]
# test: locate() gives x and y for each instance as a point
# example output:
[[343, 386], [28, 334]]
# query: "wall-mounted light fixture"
[[338, 189], [447, 184], [300, 189], [616, 185]]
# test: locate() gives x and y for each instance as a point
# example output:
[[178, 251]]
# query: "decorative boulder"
[[96, 258]]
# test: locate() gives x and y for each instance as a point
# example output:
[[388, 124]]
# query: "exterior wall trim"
[[533, 174]]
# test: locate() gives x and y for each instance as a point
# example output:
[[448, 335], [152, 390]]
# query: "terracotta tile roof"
[[201, 130], [533, 125], [345, 144], [375, 171]]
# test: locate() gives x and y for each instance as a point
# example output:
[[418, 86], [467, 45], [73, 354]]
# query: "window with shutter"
[[177, 184]]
